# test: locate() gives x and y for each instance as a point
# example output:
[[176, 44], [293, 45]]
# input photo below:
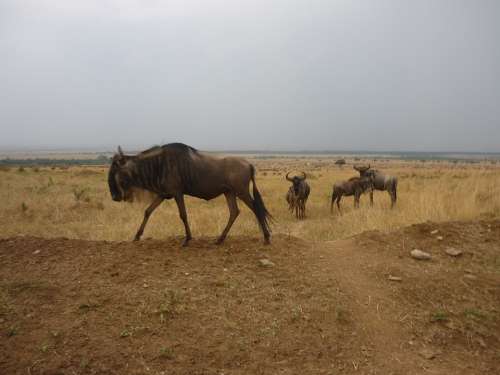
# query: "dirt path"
[[394, 323], [382, 339]]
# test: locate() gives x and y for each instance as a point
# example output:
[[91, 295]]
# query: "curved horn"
[[361, 168], [304, 176], [120, 151], [288, 178]]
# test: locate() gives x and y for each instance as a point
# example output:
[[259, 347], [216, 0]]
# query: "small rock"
[[395, 278], [36, 252], [427, 354], [439, 238], [451, 251], [470, 277], [467, 270], [420, 255], [266, 263], [481, 342], [145, 285], [435, 231]]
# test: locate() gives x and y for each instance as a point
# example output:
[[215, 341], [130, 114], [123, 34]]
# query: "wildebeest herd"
[[174, 170]]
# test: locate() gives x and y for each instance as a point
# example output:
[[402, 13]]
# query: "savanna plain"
[[338, 292]]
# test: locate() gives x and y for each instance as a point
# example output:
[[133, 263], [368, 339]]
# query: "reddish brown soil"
[[82, 307]]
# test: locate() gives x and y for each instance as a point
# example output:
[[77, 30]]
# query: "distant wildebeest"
[[175, 170], [354, 186], [290, 198], [300, 189], [340, 162], [380, 182]]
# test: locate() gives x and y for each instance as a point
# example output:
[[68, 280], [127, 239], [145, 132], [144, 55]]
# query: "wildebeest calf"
[[290, 199], [354, 186]]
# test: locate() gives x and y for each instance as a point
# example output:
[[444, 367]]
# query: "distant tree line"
[[99, 160]]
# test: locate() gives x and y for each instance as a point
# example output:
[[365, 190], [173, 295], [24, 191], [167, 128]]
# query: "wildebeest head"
[[362, 169], [119, 178], [296, 181]]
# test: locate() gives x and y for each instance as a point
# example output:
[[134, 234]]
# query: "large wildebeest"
[[301, 190], [380, 182], [175, 170], [354, 186]]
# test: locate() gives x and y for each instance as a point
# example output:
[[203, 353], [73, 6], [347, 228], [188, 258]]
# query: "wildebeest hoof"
[[219, 241], [185, 243], [136, 238]]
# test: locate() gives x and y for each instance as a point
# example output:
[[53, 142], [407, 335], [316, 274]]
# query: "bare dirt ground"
[[152, 307]]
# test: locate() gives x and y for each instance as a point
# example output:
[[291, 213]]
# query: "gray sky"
[[263, 74]]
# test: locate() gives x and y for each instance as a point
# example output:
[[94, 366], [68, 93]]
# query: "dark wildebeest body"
[[380, 182], [354, 186], [175, 170], [298, 194], [290, 198]]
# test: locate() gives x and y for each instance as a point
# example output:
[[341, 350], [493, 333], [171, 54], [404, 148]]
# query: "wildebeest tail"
[[260, 209], [395, 188], [334, 196]]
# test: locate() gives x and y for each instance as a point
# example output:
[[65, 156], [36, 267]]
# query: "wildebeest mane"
[[153, 165]]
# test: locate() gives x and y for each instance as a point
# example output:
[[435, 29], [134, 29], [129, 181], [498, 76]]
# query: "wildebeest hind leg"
[[147, 214], [179, 199], [233, 214], [247, 199]]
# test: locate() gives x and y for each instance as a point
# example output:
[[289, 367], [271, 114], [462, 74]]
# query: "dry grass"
[[75, 202]]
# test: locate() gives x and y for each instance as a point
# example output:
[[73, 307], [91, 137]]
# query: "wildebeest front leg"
[[179, 199], [147, 214], [233, 214], [356, 199], [371, 197]]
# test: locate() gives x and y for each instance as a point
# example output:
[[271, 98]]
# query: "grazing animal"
[[175, 170], [290, 199], [380, 182], [300, 190], [354, 186]]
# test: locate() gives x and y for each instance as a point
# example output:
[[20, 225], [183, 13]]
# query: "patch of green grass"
[[440, 316], [341, 315], [12, 331], [84, 363], [297, 313], [125, 333], [166, 353], [170, 306], [475, 314]]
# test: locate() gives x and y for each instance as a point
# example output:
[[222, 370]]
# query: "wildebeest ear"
[[120, 151]]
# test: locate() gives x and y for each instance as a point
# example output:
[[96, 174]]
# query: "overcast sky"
[[262, 74]]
